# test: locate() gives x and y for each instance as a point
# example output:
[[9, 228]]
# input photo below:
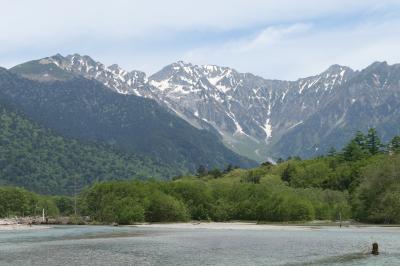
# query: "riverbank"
[[7, 224], [16, 227], [223, 226], [25, 223], [258, 226]]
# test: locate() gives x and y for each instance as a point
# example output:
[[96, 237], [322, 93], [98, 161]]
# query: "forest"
[[42, 161], [360, 182]]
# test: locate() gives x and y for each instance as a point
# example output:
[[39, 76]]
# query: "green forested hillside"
[[41, 161], [86, 110]]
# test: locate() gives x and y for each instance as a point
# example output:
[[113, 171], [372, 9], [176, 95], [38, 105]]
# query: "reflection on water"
[[102, 245]]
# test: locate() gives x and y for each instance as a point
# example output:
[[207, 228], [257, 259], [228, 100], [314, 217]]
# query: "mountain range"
[[253, 116]]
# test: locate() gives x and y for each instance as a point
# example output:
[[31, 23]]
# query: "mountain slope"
[[85, 109], [285, 118], [39, 160], [371, 98], [247, 110], [258, 117]]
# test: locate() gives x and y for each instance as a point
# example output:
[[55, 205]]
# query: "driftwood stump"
[[375, 249]]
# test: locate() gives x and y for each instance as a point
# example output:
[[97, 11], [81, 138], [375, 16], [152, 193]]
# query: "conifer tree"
[[394, 145], [353, 151], [332, 152], [361, 140], [373, 143]]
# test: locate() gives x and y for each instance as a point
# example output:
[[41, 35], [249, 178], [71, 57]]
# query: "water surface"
[[104, 245]]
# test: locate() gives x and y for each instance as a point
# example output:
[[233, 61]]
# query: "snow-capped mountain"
[[248, 111], [254, 116], [114, 77]]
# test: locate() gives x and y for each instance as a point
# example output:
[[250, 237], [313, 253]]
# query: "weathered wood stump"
[[375, 249]]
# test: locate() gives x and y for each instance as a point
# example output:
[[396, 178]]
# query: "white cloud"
[[58, 20], [292, 45], [300, 50], [268, 37]]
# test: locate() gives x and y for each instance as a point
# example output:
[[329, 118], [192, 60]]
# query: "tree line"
[[18, 202], [360, 182]]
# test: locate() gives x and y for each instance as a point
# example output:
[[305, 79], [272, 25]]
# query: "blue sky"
[[283, 39]]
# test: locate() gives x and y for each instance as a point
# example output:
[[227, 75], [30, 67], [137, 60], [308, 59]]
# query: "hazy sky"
[[284, 39]]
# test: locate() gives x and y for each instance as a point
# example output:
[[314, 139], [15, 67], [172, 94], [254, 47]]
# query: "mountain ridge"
[[251, 114]]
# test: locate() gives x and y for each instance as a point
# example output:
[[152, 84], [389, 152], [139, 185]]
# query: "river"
[[106, 245]]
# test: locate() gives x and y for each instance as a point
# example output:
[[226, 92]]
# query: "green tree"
[[267, 164], [215, 173], [164, 208], [50, 208], [377, 199], [394, 145], [360, 139], [251, 177], [228, 168], [332, 152], [129, 211], [373, 142], [222, 210], [201, 171], [64, 204], [288, 172], [196, 195], [353, 151]]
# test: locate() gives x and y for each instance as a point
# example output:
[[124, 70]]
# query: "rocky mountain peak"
[[337, 69], [112, 76], [377, 65], [254, 116]]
